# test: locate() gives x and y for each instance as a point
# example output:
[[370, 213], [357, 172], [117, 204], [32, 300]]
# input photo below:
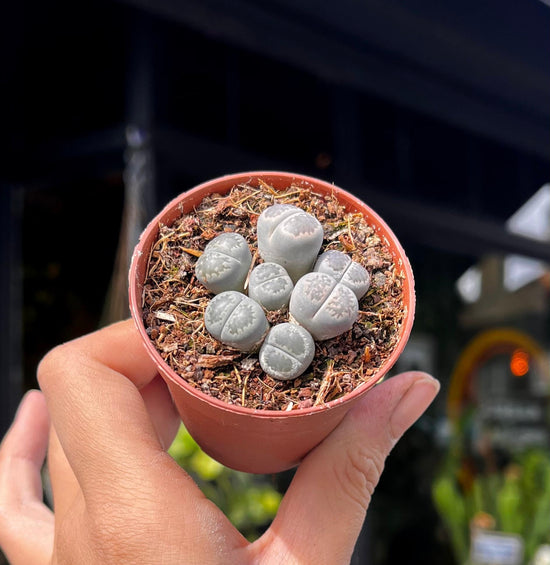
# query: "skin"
[[104, 418]]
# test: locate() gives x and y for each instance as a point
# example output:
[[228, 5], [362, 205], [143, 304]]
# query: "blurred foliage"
[[512, 496], [249, 501]]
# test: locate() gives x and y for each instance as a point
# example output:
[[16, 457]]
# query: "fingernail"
[[413, 404]]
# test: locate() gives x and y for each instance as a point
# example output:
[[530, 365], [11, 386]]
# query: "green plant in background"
[[452, 508], [249, 501], [515, 499]]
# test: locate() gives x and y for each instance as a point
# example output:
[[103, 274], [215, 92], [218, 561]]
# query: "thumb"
[[324, 508]]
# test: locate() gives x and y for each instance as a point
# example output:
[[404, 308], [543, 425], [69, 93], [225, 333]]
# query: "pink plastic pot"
[[250, 440]]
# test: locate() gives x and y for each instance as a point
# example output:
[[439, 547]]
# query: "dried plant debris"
[[174, 302]]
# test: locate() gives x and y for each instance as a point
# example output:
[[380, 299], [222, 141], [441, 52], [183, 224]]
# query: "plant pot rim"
[[352, 204]]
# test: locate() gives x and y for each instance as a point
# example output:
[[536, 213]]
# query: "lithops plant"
[[270, 286], [325, 307], [225, 263], [289, 236], [236, 320], [346, 271], [287, 351]]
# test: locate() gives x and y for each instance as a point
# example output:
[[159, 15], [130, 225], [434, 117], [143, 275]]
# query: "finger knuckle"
[[52, 363], [358, 473]]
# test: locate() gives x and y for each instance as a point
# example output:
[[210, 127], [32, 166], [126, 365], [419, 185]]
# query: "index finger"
[[92, 388]]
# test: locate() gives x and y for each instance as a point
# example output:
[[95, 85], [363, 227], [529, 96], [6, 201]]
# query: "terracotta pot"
[[250, 440]]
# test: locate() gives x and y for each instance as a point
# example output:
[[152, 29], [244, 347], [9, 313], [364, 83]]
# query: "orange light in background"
[[519, 363]]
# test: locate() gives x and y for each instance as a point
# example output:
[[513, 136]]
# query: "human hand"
[[120, 498]]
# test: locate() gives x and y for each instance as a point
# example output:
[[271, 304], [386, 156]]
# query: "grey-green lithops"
[[289, 236], [270, 286], [325, 307], [341, 267], [287, 351], [225, 263], [236, 320]]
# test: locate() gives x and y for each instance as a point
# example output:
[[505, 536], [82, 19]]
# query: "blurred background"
[[437, 114]]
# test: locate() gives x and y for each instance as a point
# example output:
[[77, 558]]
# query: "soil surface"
[[174, 303]]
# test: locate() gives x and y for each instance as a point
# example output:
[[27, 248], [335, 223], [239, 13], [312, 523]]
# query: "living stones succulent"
[[236, 320], [325, 307], [270, 286], [225, 263], [289, 236], [287, 351], [341, 267]]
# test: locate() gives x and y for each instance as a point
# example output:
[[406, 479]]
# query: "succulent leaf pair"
[[290, 237], [236, 320], [270, 285], [224, 263]]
